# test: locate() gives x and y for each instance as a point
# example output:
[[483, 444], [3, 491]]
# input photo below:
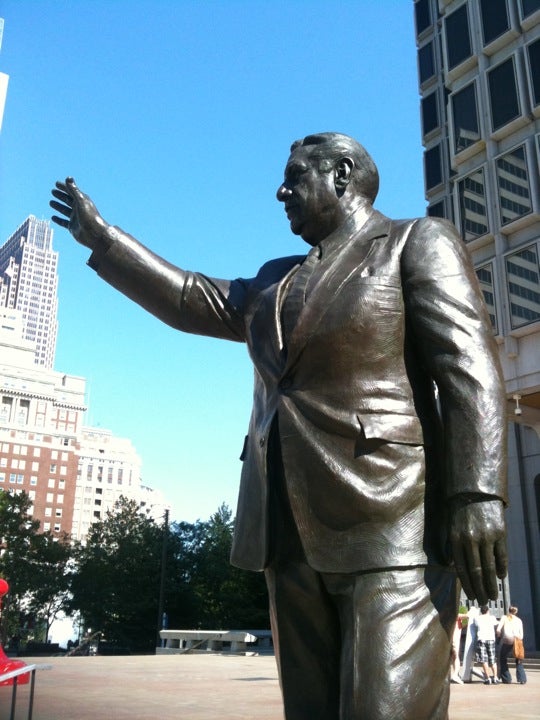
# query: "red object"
[[7, 665]]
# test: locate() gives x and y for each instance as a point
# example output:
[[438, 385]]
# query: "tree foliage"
[[50, 591], [34, 564], [116, 579], [113, 579], [225, 596]]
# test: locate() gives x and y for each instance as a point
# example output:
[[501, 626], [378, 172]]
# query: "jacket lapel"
[[263, 317], [356, 241]]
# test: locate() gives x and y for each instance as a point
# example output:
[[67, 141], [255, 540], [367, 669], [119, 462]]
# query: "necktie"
[[296, 297]]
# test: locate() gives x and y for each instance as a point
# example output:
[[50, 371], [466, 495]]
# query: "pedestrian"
[[470, 644], [485, 645], [509, 628], [456, 645]]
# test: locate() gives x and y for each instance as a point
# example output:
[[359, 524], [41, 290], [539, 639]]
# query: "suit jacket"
[[388, 392]]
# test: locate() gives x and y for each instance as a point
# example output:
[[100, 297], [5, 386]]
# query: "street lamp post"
[[161, 619]]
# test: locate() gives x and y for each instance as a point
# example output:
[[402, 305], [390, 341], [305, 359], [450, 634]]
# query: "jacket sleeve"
[[187, 301], [451, 330]]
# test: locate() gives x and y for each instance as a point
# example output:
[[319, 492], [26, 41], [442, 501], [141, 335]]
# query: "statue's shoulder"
[[431, 234], [428, 226], [274, 270], [269, 274], [434, 243]]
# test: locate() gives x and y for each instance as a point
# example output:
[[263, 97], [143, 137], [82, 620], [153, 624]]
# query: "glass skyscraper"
[[29, 284], [479, 84]]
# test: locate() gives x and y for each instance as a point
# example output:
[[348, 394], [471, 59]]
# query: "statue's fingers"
[[60, 221], [476, 575], [462, 570], [489, 575], [63, 196], [61, 208], [72, 188], [501, 558]]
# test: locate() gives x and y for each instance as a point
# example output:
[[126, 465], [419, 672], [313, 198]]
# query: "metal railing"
[[14, 675]]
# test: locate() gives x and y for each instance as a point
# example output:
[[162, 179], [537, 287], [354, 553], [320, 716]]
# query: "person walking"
[[509, 629]]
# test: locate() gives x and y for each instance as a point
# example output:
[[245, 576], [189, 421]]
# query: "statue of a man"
[[374, 465]]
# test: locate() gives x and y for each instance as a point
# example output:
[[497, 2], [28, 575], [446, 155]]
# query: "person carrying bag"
[[510, 632]]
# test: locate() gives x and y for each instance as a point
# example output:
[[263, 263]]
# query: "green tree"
[[115, 584], [33, 563], [116, 581], [225, 596], [49, 595]]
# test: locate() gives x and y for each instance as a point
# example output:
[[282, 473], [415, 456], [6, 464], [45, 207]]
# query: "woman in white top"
[[509, 628]]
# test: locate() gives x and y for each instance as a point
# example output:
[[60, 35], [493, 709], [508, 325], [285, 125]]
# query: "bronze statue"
[[374, 466]]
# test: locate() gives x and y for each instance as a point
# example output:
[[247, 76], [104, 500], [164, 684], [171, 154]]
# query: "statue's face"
[[309, 196]]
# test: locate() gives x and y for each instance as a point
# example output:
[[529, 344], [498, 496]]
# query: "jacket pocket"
[[405, 429]]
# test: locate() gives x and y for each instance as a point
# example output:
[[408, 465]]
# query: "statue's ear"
[[343, 171]]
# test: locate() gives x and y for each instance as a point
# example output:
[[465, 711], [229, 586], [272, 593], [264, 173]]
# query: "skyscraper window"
[[513, 185], [485, 277], [437, 209], [523, 280], [533, 55], [495, 21], [433, 167], [458, 38], [422, 15], [503, 94], [430, 113], [426, 62], [528, 7], [465, 118], [472, 204]]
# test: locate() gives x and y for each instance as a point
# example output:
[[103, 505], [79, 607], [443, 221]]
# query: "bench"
[[184, 641], [11, 677]]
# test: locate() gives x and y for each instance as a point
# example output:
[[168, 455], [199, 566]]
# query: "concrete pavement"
[[208, 686]]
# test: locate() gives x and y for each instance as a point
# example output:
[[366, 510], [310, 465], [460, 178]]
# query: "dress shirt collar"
[[344, 232]]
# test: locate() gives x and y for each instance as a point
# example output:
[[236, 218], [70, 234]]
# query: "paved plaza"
[[208, 686]]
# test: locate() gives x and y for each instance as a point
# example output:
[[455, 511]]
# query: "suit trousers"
[[367, 646]]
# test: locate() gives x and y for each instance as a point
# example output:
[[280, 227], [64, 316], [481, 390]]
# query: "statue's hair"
[[332, 146]]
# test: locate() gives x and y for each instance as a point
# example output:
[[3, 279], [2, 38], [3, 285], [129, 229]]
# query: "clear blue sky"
[[176, 117]]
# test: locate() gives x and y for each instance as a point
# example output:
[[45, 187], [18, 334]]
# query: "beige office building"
[[41, 416], [108, 468], [72, 473]]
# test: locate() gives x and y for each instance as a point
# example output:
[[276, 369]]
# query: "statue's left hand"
[[477, 536], [81, 217]]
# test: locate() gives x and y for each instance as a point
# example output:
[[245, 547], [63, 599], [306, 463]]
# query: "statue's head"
[[329, 148], [327, 176]]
